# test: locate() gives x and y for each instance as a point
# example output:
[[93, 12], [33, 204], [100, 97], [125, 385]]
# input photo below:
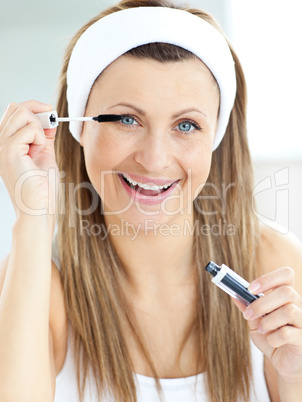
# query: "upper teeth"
[[146, 186]]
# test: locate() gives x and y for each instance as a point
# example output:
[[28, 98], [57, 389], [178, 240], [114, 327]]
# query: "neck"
[[156, 258]]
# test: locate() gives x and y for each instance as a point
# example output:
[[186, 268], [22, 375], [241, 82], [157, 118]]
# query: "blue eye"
[[186, 126], [128, 121]]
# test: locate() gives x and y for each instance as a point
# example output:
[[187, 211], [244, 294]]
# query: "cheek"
[[103, 152], [198, 168]]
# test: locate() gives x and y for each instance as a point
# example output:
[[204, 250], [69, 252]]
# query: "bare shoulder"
[[58, 318], [279, 250]]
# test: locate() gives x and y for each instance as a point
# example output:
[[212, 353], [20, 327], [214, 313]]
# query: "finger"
[[8, 111], [278, 277], [241, 306], [36, 106], [50, 133], [254, 324], [19, 119], [272, 301], [290, 314], [50, 140], [14, 152], [33, 106], [33, 150], [287, 335], [19, 144]]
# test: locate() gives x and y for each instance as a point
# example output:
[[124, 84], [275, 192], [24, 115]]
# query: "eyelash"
[[128, 126]]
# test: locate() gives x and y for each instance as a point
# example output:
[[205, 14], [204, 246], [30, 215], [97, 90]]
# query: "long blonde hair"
[[93, 275]]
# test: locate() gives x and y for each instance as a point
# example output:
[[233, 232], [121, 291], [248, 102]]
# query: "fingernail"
[[47, 104], [248, 313], [254, 287]]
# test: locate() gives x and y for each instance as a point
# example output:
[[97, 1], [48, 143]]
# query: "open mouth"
[[150, 190]]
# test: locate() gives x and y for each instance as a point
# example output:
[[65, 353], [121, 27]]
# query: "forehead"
[[129, 72], [128, 61]]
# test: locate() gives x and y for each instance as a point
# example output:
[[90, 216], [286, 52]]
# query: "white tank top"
[[188, 389]]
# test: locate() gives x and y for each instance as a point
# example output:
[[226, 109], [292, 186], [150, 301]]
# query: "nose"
[[154, 152]]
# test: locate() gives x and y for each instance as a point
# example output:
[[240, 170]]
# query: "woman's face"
[[148, 167]]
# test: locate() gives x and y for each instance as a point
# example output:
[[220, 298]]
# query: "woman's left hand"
[[275, 322]]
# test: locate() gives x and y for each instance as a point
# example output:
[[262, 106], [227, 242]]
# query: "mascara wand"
[[51, 119]]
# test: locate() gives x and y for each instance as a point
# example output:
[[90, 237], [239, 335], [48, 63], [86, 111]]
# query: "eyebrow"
[[140, 111]]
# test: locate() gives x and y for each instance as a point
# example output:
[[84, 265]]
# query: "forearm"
[[290, 391], [24, 312]]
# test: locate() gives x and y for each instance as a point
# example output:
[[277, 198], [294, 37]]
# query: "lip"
[[145, 199]]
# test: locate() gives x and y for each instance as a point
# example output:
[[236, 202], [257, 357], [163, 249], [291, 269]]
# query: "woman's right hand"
[[27, 159]]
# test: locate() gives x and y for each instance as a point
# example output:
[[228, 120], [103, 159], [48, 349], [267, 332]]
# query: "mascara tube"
[[231, 283]]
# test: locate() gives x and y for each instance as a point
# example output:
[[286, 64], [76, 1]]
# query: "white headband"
[[115, 34]]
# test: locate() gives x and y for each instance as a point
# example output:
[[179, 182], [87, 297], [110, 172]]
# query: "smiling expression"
[[152, 162]]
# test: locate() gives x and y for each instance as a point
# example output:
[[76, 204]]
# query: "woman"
[[147, 201]]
